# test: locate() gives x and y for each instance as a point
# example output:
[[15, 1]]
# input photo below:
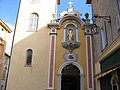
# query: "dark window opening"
[[29, 57]]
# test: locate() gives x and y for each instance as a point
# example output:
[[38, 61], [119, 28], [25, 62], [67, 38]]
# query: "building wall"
[[4, 29], [24, 77], [2, 51], [6, 61], [26, 9], [34, 77], [3, 33], [105, 8], [43, 72]]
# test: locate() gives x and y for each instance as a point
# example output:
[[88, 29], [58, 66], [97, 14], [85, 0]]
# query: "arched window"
[[29, 57], [33, 23], [70, 32], [114, 83]]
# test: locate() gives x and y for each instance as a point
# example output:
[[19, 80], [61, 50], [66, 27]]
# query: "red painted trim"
[[89, 62], [51, 61]]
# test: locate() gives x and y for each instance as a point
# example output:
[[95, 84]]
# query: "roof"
[[5, 26], [88, 1]]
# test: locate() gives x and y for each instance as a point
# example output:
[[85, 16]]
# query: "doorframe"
[[81, 74]]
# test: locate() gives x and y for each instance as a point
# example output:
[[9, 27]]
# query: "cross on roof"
[[70, 3]]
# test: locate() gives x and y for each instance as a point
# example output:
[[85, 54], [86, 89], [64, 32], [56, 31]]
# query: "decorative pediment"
[[71, 17]]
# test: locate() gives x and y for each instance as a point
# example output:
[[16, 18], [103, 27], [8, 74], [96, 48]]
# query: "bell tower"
[[33, 15]]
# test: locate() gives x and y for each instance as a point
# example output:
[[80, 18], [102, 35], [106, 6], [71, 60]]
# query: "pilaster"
[[52, 56]]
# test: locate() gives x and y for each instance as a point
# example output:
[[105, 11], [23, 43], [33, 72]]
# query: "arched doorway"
[[70, 78]]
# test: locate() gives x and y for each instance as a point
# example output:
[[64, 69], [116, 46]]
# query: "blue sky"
[[9, 9], [79, 5]]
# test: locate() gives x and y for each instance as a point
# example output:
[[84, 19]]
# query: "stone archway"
[[70, 79]]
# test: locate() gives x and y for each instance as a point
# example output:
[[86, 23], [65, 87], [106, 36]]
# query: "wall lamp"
[[95, 29], [90, 29], [96, 16]]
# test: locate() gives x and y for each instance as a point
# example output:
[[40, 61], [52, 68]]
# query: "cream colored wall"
[[45, 9], [3, 33], [81, 51], [35, 77], [30, 78]]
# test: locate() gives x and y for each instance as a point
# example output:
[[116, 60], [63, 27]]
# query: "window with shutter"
[[33, 22], [104, 39], [118, 22], [117, 9]]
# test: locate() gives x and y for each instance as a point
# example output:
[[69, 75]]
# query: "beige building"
[[4, 29], [50, 53], [106, 44], [6, 61]]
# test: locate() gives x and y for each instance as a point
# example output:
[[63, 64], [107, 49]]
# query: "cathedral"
[[50, 53]]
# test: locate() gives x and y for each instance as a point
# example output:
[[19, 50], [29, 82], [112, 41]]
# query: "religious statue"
[[70, 35]]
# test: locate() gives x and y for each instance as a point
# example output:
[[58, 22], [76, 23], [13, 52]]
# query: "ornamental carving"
[[70, 45], [70, 40]]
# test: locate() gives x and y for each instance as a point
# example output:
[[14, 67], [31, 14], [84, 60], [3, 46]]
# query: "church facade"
[[50, 53]]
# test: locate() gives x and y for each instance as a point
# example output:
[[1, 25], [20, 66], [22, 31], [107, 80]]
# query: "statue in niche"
[[70, 35]]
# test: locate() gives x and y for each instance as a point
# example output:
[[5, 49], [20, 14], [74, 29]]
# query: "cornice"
[[5, 26]]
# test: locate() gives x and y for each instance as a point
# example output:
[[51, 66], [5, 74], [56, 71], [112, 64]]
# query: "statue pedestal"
[[70, 45]]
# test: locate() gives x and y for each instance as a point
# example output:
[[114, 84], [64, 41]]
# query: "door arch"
[[70, 77]]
